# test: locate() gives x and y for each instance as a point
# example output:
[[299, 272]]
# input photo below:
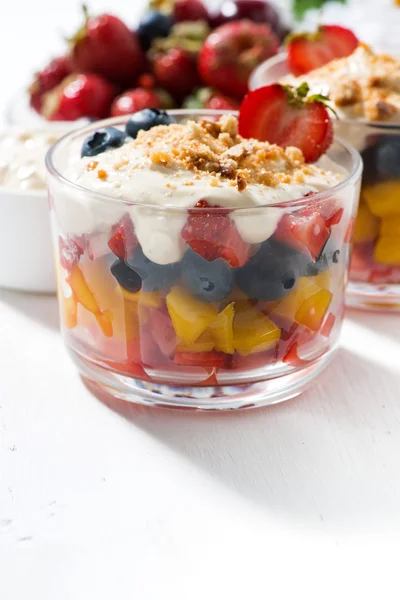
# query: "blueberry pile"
[[110, 137], [382, 159], [269, 275]]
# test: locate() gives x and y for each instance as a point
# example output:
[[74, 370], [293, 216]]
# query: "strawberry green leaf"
[[300, 7]]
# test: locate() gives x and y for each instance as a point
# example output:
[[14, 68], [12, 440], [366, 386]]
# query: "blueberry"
[[146, 119], [210, 281], [153, 25], [271, 273], [388, 157], [381, 159], [126, 277], [102, 140], [154, 276]]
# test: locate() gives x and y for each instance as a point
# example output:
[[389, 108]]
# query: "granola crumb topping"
[[217, 149], [364, 83]]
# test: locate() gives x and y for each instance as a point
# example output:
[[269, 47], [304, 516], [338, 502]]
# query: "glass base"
[[220, 397], [376, 297]]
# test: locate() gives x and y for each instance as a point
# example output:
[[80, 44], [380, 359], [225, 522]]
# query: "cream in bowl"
[[25, 237]]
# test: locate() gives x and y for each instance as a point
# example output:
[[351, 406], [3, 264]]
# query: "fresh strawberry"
[[213, 235], [220, 102], [47, 79], [231, 53], [104, 45], [200, 359], [70, 252], [307, 233], [79, 95], [123, 240], [287, 116], [134, 100], [189, 10], [308, 51], [327, 327], [176, 71]]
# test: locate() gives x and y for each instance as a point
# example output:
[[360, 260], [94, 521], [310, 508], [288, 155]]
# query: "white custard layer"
[[132, 178]]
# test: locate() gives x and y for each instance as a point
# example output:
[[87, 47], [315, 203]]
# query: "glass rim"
[[281, 58], [353, 175]]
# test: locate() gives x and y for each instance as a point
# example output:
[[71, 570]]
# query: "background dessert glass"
[[374, 281], [165, 346]]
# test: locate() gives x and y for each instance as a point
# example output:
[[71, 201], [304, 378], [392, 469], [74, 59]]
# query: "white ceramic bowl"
[[26, 253]]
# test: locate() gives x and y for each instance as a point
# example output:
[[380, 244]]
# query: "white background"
[[101, 501]]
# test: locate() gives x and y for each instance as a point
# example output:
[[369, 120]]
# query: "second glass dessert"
[[364, 89]]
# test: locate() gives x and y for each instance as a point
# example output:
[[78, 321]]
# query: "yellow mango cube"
[[82, 292], [254, 332], [288, 306], [150, 299], [387, 251], [69, 311], [312, 311], [189, 316], [383, 198], [222, 330], [390, 227], [366, 226], [204, 343]]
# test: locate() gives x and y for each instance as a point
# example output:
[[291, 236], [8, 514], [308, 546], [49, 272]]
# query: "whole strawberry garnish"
[[308, 51], [286, 116], [231, 53], [123, 240], [47, 79], [212, 234], [79, 95], [104, 45]]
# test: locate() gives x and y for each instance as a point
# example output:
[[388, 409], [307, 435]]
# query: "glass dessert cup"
[[149, 338], [374, 280]]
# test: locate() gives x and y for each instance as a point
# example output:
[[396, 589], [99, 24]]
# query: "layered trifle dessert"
[[193, 261]]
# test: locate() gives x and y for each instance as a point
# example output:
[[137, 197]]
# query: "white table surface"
[[116, 501]]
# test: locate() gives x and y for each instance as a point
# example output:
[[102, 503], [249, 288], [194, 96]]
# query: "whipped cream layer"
[[142, 173], [363, 85], [22, 156]]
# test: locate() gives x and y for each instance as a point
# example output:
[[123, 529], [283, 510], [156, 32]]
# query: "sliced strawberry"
[[308, 51], [349, 231], [284, 115], [307, 233], [328, 325], [213, 235], [335, 218], [292, 356], [123, 240], [200, 359], [70, 252]]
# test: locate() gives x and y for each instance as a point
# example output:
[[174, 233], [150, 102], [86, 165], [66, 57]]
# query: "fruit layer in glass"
[[250, 327], [375, 266]]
